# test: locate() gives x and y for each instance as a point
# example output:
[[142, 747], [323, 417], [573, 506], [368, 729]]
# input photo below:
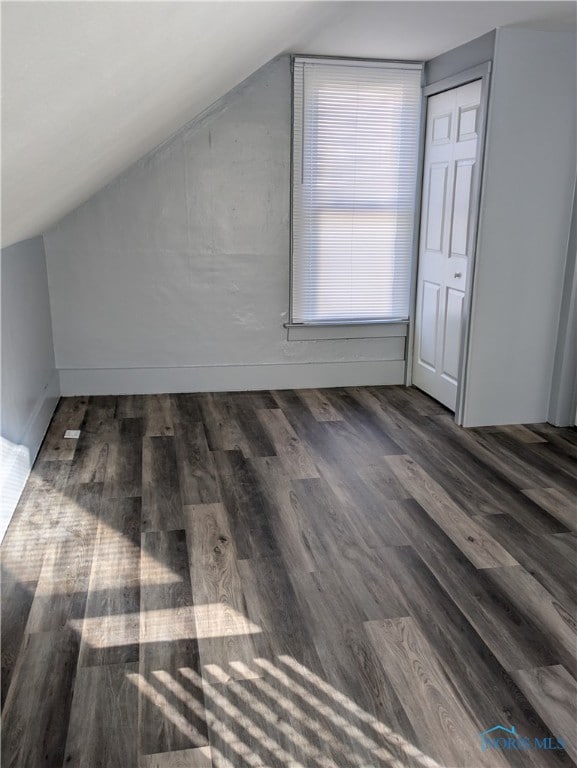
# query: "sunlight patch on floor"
[[164, 625], [288, 713]]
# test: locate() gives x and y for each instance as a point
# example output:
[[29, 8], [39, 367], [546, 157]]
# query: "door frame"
[[480, 72]]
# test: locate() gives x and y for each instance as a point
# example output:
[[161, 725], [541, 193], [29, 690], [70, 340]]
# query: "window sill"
[[299, 332]]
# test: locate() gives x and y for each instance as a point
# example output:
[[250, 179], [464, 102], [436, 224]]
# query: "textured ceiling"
[[90, 87]]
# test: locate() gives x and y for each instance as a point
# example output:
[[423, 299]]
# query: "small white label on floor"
[[73, 433]]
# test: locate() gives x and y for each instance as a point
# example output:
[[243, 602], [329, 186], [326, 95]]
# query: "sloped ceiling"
[[90, 87]]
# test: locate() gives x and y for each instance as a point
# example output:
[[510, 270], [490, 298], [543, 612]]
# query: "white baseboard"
[[17, 458], [229, 378], [40, 418]]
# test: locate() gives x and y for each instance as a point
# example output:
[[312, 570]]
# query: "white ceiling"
[[90, 87]]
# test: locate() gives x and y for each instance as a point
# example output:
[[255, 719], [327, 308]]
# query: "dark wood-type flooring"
[[298, 578]]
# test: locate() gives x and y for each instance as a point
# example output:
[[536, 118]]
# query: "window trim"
[[382, 329], [354, 326]]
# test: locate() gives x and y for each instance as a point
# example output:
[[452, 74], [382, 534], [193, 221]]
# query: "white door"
[[447, 232]]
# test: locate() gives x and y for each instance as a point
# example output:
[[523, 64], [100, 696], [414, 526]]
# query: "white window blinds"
[[355, 150]]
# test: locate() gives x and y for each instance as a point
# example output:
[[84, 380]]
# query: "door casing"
[[481, 72]]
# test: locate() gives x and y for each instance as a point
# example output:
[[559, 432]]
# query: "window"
[[355, 152]]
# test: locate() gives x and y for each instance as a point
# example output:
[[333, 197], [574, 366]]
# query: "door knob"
[[458, 274]]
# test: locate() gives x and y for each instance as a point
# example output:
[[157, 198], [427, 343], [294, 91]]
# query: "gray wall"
[[563, 403], [176, 276], [524, 225], [466, 56], [29, 379]]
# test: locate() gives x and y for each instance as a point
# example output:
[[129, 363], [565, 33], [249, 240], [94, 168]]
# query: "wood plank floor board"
[[166, 605], [533, 516], [69, 555], [242, 410], [252, 399], [69, 414], [411, 401], [471, 484], [35, 524], [563, 439], [556, 460], [371, 583], [124, 464], [359, 421], [391, 408], [553, 693], [381, 481], [440, 716], [319, 405], [96, 741], [458, 465], [559, 504], [158, 416], [505, 457], [334, 461], [60, 593], [166, 724], [297, 542], [351, 671], [336, 578], [271, 604], [566, 545], [287, 399], [535, 554], [254, 433], [468, 662], [330, 523], [117, 550], [184, 758], [521, 434], [90, 459], [506, 628], [544, 464], [15, 602], [37, 708], [317, 438], [246, 505], [367, 508], [469, 481], [553, 622], [224, 630], [277, 699], [130, 407], [223, 432], [474, 441], [298, 464], [161, 499], [481, 549], [39, 505], [249, 726], [350, 735], [475, 486], [97, 432], [362, 506], [196, 470], [353, 446], [168, 641], [110, 628], [185, 408], [100, 414], [56, 604], [323, 603]]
